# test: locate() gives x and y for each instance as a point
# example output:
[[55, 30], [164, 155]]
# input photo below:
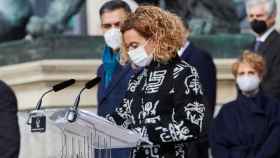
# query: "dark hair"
[[114, 5]]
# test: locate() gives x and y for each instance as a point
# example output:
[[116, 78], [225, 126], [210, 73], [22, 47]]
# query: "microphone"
[[55, 88], [73, 111], [92, 82], [63, 85]]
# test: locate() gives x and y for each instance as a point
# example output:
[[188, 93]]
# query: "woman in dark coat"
[[164, 101], [248, 127]]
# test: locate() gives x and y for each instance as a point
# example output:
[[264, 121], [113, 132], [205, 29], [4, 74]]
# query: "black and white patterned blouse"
[[163, 103]]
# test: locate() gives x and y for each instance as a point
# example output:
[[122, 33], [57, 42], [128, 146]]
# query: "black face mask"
[[259, 26]]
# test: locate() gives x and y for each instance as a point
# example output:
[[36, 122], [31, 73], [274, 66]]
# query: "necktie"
[[257, 46]]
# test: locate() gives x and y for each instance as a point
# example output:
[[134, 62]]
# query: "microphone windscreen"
[[92, 82], [63, 85]]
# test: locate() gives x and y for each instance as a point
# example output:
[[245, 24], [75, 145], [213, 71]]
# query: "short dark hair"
[[114, 5]]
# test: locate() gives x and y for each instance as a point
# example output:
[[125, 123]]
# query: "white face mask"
[[248, 83], [140, 57], [113, 38]]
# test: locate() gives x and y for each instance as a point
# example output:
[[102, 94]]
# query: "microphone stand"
[[38, 107], [73, 111], [39, 104], [55, 88]]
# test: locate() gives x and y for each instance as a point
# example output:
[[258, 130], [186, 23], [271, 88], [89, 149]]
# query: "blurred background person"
[[262, 17], [114, 76], [164, 101], [249, 126], [9, 129]]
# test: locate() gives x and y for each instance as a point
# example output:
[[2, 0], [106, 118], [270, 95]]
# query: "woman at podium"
[[163, 101]]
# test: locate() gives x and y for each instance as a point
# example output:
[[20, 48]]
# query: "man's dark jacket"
[[109, 98], [270, 50], [9, 129]]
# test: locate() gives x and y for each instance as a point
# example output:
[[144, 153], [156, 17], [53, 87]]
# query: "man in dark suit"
[[114, 76], [206, 69], [262, 17], [9, 129]]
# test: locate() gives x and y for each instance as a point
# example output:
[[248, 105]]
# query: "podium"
[[91, 134]]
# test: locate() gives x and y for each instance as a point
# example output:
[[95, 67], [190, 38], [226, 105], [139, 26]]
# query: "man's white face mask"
[[113, 38], [248, 83]]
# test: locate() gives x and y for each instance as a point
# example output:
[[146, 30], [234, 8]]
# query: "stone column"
[[93, 16]]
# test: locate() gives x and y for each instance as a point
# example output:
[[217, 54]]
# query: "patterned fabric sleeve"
[[122, 116], [188, 111]]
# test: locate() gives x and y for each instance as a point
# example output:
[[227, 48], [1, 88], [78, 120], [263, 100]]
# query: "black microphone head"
[[92, 82], [63, 85]]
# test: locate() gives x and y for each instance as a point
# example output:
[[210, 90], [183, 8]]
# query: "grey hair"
[[271, 5]]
